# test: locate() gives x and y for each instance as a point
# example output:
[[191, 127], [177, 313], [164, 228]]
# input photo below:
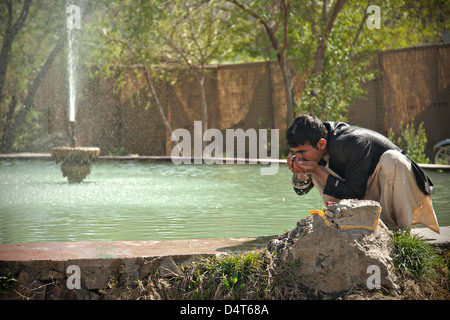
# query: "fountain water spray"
[[71, 65], [76, 161], [72, 92]]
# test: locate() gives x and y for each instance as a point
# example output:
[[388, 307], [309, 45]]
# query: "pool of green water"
[[156, 201]]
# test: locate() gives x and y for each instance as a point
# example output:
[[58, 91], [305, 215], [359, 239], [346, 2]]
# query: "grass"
[[254, 275], [225, 276], [423, 270], [414, 257]]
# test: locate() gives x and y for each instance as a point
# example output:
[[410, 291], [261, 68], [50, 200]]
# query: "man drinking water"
[[349, 162]]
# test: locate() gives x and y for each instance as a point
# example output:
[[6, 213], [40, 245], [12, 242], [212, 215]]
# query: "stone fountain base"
[[76, 163]]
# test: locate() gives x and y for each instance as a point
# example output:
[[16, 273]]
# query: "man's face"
[[307, 152]]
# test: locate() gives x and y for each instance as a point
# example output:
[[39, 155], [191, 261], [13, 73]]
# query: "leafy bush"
[[412, 141]]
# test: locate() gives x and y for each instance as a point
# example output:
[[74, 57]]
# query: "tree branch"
[[10, 34], [269, 29], [361, 26], [9, 133], [23, 15], [37, 81], [320, 53], [285, 9]]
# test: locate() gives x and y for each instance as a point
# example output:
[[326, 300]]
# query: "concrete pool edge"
[[63, 251], [44, 271], [85, 250], [48, 156]]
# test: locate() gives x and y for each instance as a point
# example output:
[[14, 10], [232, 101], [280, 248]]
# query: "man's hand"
[[290, 162], [306, 166], [301, 166]]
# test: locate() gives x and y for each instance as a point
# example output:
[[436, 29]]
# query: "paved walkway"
[[442, 239]]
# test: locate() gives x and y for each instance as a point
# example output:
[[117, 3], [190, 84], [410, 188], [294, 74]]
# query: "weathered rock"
[[329, 259]]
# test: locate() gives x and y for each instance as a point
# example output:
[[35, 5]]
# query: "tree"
[[349, 58], [326, 50], [194, 33], [28, 39], [12, 29], [334, 49], [163, 39], [127, 43], [272, 14]]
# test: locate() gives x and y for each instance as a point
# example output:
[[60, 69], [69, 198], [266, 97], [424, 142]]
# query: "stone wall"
[[47, 279]]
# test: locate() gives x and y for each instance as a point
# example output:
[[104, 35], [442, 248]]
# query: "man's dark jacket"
[[354, 154]]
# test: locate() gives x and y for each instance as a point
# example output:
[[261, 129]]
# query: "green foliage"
[[43, 31], [352, 47], [30, 48], [43, 26], [6, 282], [412, 141], [126, 39], [119, 151], [229, 272], [31, 129], [198, 32], [345, 64], [414, 257], [165, 36], [229, 276]]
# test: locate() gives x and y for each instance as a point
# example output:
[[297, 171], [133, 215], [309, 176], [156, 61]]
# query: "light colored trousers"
[[393, 184]]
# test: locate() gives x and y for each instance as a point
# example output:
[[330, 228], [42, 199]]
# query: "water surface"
[[156, 201]]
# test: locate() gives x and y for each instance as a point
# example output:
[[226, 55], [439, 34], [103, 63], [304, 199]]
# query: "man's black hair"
[[304, 129]]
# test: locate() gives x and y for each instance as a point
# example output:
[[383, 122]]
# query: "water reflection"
[[441, 198]]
